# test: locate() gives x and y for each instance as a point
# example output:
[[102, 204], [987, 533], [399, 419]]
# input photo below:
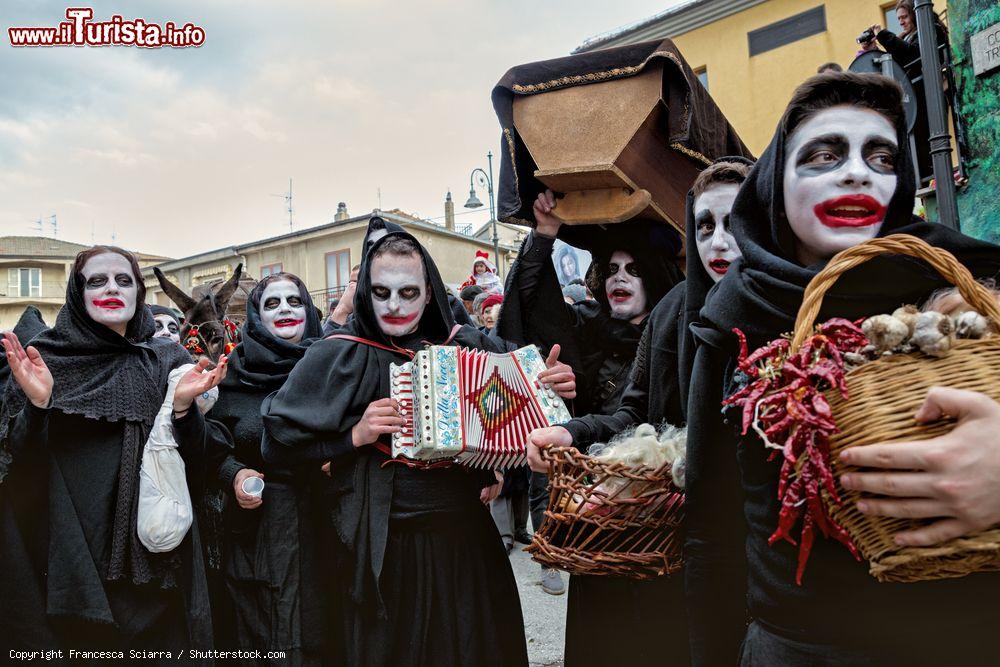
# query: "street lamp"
[[486, 180]]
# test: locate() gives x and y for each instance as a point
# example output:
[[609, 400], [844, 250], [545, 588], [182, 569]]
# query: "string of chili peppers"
[[785, 405]]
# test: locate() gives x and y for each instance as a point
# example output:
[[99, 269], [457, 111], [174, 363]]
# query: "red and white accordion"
[[470, 406]]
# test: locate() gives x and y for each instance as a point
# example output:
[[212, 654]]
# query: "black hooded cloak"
[[274, 588], [840, 614], [73, 573], [598, 347], [426, 579], [656, 392]]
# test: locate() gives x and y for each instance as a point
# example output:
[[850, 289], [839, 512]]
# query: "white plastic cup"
[[253, 486]]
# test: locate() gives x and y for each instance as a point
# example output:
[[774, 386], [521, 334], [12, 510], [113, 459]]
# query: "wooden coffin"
[[604, 146]]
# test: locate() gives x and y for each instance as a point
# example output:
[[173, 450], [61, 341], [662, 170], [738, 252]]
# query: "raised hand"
[[954, 477], [381, 418], [29, 370], [197, 381], [542, 437], [547, 224], [558, 375]]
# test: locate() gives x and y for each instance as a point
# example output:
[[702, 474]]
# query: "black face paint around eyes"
[[124, 280], [632, 269], [96, 281], [881, 155], [705, 224], [834, 145]]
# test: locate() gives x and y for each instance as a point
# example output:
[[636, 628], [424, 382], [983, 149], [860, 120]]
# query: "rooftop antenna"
[[379, 191], [37, 225], [55, 225], [288, 201]]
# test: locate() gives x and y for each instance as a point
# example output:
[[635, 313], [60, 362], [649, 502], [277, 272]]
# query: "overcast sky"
[[178, 151]]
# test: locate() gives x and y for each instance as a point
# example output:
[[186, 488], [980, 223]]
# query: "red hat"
[[490, 301]]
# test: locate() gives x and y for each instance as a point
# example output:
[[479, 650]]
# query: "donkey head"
[[204, 331]]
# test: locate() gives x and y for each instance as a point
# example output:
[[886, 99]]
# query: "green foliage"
[[979, 99]]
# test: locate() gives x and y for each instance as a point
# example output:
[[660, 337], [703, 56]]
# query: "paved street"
[[544, 614]]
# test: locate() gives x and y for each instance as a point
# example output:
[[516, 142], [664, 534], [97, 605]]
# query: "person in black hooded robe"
[[75, 418], [377, 228], [598, 338], [29, 325], [842, 134], [272, 555], [426, 580], [657, 381], [656, 388]]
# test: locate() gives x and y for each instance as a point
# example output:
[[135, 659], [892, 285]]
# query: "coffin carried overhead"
[[619, 134]]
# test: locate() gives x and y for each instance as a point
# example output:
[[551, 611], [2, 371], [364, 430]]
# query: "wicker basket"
[[883, 397], [632, 531]]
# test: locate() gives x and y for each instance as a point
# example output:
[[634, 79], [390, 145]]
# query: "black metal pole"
[[493, 217], [940, 139]]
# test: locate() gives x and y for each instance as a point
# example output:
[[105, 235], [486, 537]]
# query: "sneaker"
[[523, 537], [552, 582]]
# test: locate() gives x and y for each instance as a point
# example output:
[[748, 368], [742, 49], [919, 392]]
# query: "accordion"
[[470, 406]]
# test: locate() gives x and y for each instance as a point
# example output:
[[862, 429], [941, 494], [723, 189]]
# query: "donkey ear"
[[227, 290], [183, 301]]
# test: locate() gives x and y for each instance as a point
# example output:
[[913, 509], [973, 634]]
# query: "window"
[[24, 282], [810, 22], [270, 270], [891, 23], [338, 270], [702, 74]]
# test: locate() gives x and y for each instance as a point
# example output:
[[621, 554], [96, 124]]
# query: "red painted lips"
[[109, 304], [850, 211], [289, 322], [720, 266], [619, 295], [398, 320]]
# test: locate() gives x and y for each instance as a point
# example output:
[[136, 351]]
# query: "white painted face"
[[716, 246], [282, 311], [399, 293], [624, 287], [109, 290], [166, 327], [838, 180]]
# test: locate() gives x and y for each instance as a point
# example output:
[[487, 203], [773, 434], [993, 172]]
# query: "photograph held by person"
[[275, 580], [76, 415], [656, 386], [905, 50], [425, 579], [836, 173]]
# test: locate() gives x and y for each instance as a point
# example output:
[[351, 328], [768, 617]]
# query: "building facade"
[[36, 270], [323, 256], [751, 54]]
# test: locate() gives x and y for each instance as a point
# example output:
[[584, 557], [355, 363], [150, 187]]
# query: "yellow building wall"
[[753, 91]]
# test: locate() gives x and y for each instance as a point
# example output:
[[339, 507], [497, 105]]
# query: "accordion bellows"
[[474, 407]]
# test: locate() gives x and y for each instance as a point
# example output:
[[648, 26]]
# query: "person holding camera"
[[905, 50]]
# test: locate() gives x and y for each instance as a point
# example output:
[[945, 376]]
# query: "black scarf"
[[262, 359], [763, 291], [99, 374]]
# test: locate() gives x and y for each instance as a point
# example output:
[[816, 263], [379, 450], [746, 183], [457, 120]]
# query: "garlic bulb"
[[885, 332], [908, 316], [933, 334], [971, 324]]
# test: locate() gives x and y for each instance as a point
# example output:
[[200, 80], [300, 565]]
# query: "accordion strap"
[[392, 348]]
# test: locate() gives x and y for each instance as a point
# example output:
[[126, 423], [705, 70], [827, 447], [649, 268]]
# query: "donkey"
[[206, 331]]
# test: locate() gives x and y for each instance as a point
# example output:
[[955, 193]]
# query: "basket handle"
[[975, 294]]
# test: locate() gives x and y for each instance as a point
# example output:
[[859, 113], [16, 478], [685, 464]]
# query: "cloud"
[[179, 151]]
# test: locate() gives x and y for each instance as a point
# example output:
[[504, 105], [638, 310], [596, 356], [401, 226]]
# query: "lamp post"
[[486, 180]]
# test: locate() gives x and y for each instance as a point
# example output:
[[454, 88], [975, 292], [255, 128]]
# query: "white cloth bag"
[[165, 512]]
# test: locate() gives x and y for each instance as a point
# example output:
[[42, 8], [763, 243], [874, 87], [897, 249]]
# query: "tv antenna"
[[288, 202]]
